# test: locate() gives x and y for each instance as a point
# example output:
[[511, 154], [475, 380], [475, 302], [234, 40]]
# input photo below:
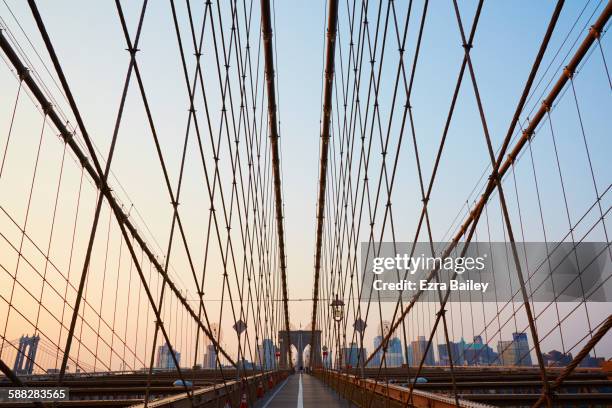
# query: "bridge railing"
[[370, 393], [218, 395]]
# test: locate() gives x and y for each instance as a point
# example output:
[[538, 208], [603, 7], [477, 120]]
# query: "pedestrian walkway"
[[303, 391]]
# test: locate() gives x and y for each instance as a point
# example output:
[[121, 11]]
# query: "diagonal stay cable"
[[90, 147], [502, 199], [121, 216]]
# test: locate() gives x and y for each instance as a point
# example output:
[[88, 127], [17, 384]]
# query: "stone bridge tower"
[[300, 339]]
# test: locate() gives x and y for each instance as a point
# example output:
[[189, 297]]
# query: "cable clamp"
[[568, 72], [596, 33], [104, 188], [23, 73], [66, 136], [46, 107]]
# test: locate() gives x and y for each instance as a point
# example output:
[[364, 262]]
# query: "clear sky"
[[88, 39]]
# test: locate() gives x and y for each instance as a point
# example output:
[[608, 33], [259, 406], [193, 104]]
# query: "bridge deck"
[[303, 391]]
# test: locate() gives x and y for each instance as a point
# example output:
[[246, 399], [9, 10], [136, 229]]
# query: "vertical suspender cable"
[[266, 28], [332, 22]]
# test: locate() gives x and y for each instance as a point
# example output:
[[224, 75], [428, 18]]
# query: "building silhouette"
[[393, 355], [353, 356], [457, 350], [164, 357], [418, 351], [265, 354], [592, 362], [210, 357], [514, 352], [555, 358], [479, 353]]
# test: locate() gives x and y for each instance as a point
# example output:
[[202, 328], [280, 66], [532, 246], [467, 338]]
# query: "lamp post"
[[360, 327], [239, 327], [337, 306]]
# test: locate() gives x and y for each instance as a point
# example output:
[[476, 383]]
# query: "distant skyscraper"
[[353, 356], [418, 351], [265, 354], [522, 349], [479, 353], [456, 351], [515, 352], [164, 357], [555, 358], [210, 357], [375, 361], [410, 360], [393, 356], [589, 361], [506, 352]]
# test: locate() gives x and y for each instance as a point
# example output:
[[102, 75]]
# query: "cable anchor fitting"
[[132, 51], [23, 73], [595, 32], [46, 107]]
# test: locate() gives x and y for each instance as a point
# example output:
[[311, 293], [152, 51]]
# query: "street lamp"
[[337, 309], [337, 306]]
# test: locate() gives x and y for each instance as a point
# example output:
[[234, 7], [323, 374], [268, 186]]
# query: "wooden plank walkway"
[[303, 391]]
